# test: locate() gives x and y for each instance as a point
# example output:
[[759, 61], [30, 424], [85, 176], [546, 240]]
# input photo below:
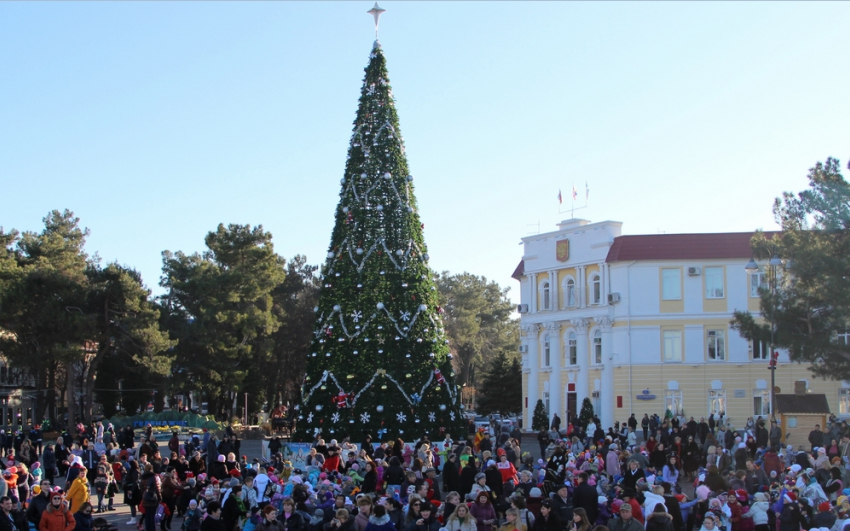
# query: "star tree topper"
[[376, 12]]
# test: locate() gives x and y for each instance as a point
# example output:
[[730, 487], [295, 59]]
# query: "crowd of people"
[[681, 475]]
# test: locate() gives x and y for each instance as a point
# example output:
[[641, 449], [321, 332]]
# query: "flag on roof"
[[560, 199]]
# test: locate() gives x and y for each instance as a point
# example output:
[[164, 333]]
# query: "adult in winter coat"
[[467, 477], [83, 517], [233, 510], [57, 516], [380, 520], [451, 475], [78, 493], [289, 519], [427, 520], [460, 520], [691, 456], [625, 522], [632, 475], [269, 520], [549, 520], [586, 497], [483, 512], [612, 461], [659, 519]]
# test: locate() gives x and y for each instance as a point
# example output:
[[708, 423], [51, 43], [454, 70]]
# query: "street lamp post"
[[752, 268]]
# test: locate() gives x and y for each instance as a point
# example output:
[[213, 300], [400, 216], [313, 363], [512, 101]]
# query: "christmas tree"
[[586, 413], [539, 420], [379, 361]]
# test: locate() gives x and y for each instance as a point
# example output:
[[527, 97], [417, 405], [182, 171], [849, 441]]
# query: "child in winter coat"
[[758, 511]]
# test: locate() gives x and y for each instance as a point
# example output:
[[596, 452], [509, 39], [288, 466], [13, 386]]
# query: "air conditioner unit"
[[522, 308], [613, 298], [693, 271], [523, 348]]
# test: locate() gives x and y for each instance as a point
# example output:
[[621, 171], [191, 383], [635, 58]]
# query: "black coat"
[[467, 479], [451, 477], [553, 523], [659, 522], [585, 496]]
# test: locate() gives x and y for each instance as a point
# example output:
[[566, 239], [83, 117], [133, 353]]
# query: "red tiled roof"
[[717, 245], [519, 271]]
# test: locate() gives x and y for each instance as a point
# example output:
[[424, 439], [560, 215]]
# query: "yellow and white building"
[[640, 324]]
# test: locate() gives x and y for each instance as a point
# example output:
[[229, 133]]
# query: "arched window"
[[572, 349], [570, 294], [595, 289], [546, 358], [597, 347], [544, 289]]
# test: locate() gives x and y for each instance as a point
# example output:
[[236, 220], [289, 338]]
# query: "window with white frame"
[[717, 402], [546, 358], [716, 345], [843, 338], [570, 294], [546, 402], [544, 290], [761, 402], [673, 402], [757, 280], [714, 283], [760, 349], [572, 349], [672, 345], [671, 284], [844, 401], [595, 289], [597, 347]]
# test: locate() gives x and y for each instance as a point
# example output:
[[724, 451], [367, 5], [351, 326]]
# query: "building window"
[[597, 347], [671, 284], [844, 402], [843, 339], [757, 280], [672, 345], [544, 289], [760, 349], [595, 289], [714, 283], [717, 402], [570, 295], [716, 343], [572, 349], [761, 402], [546, 358], [546, 402], [673, 402]]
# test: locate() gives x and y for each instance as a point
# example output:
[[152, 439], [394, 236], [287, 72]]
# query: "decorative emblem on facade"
[[562, 250]]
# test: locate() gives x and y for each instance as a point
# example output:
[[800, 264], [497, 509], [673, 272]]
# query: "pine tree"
[[379, 362], [586, 413], [539, 419]]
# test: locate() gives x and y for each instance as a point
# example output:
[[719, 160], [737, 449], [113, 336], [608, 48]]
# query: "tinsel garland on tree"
[[379, 361]]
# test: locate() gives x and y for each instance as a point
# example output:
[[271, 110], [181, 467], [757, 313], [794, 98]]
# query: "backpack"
[[151, 497]]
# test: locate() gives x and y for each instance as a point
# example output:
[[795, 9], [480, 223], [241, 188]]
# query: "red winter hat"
[[235, 473], [741, 494], [825, 506], [189, 475], [500, 452]]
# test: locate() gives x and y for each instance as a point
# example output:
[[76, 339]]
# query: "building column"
[[607, 391], [532, 307], [556, 390], [581, 288], [583, 361], [531, 341], [553, 290], [603, 283]]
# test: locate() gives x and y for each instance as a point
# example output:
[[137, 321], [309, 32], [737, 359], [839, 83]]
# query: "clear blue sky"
[[155, 121]]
